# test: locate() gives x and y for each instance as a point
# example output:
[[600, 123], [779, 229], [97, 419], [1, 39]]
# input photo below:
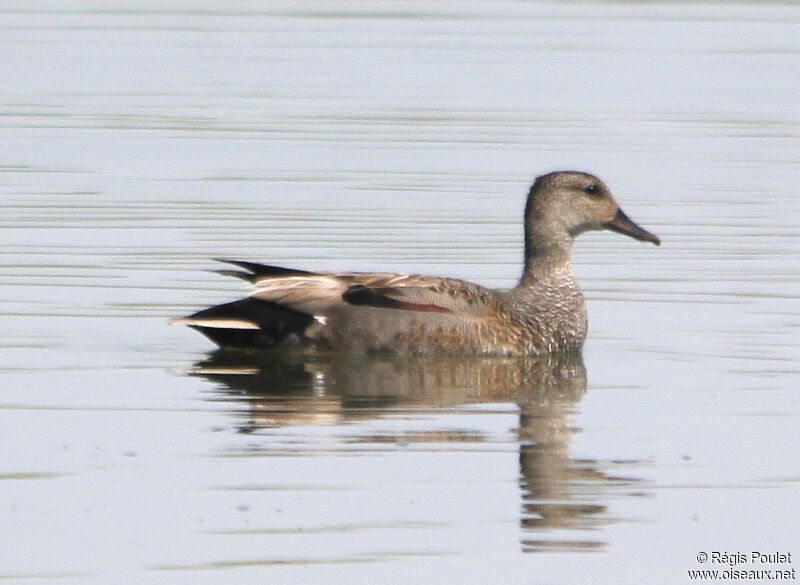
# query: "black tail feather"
[[248, 276], [276, 324], [256, 271]]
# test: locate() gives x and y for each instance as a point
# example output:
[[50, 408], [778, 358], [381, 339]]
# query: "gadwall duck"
[[410, 313]]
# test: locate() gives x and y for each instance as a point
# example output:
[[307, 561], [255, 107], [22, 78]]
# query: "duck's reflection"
[[557, 492]]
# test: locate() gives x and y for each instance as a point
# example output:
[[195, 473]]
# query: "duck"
[[418, 314]]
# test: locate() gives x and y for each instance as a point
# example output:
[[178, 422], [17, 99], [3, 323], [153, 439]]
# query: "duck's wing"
[[285, 302], [321, 293]]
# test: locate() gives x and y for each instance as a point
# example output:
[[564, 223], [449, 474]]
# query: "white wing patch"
[[215, 323]]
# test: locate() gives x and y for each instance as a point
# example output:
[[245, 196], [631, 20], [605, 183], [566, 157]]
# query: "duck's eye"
[[592, 190]]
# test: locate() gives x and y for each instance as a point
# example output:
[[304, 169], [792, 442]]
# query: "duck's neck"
[[547, 261]]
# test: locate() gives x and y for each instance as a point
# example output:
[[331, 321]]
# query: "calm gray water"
[[140, 140]]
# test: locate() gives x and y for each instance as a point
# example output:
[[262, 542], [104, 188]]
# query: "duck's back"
[[409, 314], [441, 315]]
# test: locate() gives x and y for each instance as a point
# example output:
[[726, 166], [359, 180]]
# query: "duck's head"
[[564, 204]]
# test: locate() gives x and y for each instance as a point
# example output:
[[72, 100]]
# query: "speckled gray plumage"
[[410, 313]]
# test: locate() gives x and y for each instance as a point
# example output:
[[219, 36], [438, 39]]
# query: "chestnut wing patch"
[[364, 296]]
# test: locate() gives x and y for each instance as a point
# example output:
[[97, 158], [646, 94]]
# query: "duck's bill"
[[623, 224]]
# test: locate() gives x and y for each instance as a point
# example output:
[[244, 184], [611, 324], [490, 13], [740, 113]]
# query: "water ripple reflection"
[[278, 396]]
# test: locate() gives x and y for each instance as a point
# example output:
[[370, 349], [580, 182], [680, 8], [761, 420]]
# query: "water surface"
[[139, 141]]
